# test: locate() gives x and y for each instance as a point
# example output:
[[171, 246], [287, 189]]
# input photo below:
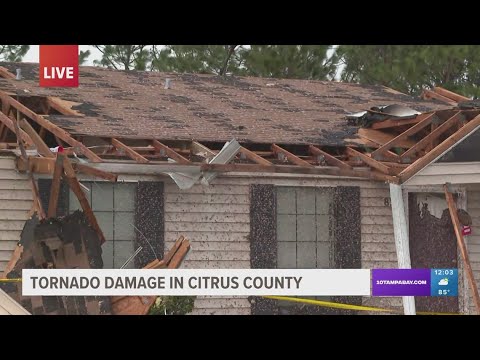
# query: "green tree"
[[411, 68], [203, 59], [82, 58], [13, 52], [124, 57], [454, 67], [289, 61]]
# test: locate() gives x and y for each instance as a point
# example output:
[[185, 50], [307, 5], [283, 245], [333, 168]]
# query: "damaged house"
[[256, 173]]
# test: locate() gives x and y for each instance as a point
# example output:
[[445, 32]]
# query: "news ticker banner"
[[240, 282]]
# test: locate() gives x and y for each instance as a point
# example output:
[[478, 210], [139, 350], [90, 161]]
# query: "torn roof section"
[[466, 151], [133, 104], [307, 132]]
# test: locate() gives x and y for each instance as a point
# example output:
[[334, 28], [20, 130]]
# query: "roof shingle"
[[133, 104]]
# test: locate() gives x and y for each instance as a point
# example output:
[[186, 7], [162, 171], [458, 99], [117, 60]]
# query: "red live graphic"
[[59, 65]]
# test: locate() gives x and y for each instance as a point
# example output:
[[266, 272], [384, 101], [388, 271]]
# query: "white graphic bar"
[[188, 282]]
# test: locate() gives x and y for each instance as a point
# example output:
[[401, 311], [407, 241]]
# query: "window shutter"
[[263, 239], [149, 222], [44, 186], [347, 230]]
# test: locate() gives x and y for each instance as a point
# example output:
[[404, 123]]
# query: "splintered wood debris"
[[140, 305]]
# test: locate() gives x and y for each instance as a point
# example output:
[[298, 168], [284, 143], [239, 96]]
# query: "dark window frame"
[[263, 237]]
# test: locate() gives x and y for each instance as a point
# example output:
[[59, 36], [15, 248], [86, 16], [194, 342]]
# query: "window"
[[114, 208], [304, 236], [304, 233]]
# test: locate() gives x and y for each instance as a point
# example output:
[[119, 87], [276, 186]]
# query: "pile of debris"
[[381, 113], [57, 243], [70, 242]]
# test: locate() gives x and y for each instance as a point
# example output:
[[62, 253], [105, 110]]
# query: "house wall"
[[15, 203], [473, 241], [472, 203], [217, 222], [440, 173]]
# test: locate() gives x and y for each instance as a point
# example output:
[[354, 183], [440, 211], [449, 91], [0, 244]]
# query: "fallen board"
[[140, 305]]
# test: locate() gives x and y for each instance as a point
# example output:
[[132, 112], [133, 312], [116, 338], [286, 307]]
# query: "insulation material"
[[64, 243]]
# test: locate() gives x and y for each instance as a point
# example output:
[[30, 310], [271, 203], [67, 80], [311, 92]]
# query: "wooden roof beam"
[[429, 94], [250, 155], [4, 73], [62, 106], [404, 135], [370, 162], [294, 159], [4, 119], [395, 122], [440, 149], [169, 152], [381, 137], [55, 187], [450, 94], [435, 134], [42, 148], [74, 185], [54, 129], [47, 165], [198, 149], [85, 169], [329, 159], [457, 226], [294, 169], [129, 151]]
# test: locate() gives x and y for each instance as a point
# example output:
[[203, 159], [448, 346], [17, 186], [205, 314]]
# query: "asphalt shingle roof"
[[133, 104]]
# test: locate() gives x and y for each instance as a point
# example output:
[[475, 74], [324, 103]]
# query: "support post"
[[452, 207], [55, 188], [400, 230]]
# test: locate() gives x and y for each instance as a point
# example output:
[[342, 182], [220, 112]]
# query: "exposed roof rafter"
[[129, 151], [169, 152], [404, 135], [250, 155], [395, 150], [289, 156], [54, 129], [329, 159], [369, 161]]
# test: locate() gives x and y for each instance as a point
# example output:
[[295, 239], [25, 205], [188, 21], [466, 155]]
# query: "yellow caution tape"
[[329, 304], [347, 306]]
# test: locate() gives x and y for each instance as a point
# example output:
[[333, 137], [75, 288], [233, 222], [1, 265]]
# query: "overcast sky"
[[32, 55]]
